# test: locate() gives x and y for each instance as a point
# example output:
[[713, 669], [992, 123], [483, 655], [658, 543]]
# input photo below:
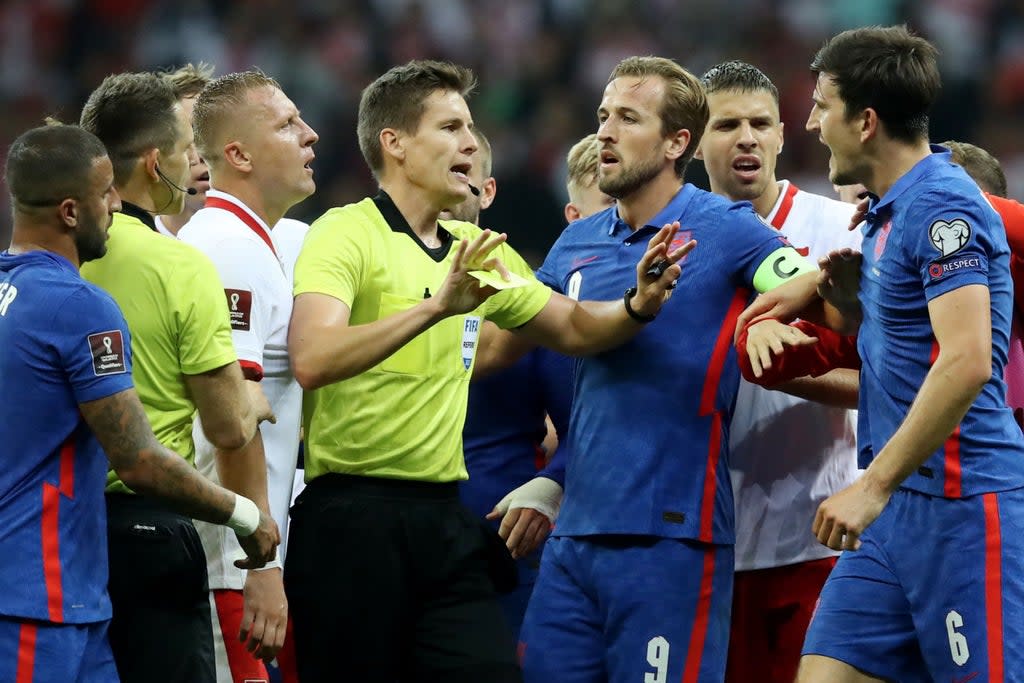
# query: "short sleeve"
[[333, 257], [204, 330], [248, 295], [949, 241], [750, 241], [550, 272], [92, 341], [512, 308]]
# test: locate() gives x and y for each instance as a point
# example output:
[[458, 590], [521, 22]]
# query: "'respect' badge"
[[492, 278]]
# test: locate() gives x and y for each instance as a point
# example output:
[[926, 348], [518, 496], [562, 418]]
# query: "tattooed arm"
[[148, 467]]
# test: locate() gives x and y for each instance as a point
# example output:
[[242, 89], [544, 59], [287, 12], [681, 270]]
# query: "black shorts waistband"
[[386, 488]]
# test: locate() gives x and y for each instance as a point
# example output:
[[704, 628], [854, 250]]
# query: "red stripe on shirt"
[[67, 467], [951, 483], [721, 352], [785, 207], [951, 487], [26, 653], [242, 215], [707, 505], [993, 587], [51, 552], [695, 652], [251, 371]]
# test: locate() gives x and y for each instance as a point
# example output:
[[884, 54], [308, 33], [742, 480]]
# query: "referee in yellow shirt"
[[388, 576]]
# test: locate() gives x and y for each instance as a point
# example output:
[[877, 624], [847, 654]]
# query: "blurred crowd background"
[[542, 65]]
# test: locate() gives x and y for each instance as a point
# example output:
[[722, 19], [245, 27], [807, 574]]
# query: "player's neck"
[[640, 207], [766, 202], [29, 235], [137, 191], [418, 210], [258, 202], [893, 163], [176, 222]]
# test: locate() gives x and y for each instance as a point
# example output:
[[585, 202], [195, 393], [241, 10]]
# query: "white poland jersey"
[[257, 268], [786, 454]]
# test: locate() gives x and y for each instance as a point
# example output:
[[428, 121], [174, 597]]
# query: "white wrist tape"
[[273, 564], [540, 494], [245, 518]]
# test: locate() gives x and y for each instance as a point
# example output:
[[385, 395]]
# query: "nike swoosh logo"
[[577, 262]]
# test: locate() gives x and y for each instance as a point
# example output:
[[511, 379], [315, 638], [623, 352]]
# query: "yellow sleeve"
[[333, 257], [201, 310], [511, 308]]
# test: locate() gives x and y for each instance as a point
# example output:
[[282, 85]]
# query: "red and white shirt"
[[787, 455], [256, 266]]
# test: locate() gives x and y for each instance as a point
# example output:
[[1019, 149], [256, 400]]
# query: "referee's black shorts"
[[161, 629], [393, 581]]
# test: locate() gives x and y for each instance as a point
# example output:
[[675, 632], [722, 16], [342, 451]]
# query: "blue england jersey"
[[63, 341], [934, 232], [505, 425], [649, 428]]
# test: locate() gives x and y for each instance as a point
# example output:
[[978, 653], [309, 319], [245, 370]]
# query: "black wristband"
[[642, 319]]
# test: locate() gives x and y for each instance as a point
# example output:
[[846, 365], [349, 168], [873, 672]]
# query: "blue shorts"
[[935, 592], [42, 652], [621, 609]]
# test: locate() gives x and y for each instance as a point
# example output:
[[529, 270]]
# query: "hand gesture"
[[785, 302], [264, 613], [839, 280], [527, 514], [460, 292], [658, 270], [843, 517], [769, 337], [261, 545]]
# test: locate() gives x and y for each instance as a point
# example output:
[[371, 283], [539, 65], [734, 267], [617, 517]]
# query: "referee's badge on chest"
[[470, 334]]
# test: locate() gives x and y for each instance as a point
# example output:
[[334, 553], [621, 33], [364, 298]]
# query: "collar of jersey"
[[939, 156], [672, 211], [396, 221], [139, 214]]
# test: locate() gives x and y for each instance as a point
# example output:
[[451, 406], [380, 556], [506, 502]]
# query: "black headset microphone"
[[179, 188]]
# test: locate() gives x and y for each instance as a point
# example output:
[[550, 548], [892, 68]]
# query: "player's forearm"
[[839, 388], [324, 353], [579, 328], [164, 474], [950, 387], [244, 471]]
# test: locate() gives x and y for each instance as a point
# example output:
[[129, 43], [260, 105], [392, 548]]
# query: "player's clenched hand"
[[460, 292], [264, 613], [839, 279], [260, 405], [784, 302], [527, 514], [261, 545], [658, 270], [769, 337], [843, 517]]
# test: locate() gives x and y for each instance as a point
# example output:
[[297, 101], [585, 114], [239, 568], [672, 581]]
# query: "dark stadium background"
[[541, 63]]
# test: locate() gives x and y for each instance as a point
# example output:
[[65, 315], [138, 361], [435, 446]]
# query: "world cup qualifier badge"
[[107, 349], [239, 308]]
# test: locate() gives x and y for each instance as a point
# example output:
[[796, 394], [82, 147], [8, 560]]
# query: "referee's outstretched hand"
[[461, 292], [261, 545]]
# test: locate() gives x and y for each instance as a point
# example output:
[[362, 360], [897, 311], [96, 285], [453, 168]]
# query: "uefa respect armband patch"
[[940, 269]]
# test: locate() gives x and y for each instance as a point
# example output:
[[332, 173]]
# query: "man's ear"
[[488, 190], [150, 162], [678, 144], [68, 211], [572, 213], [392, 144], [237, 157], [869, 124]]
